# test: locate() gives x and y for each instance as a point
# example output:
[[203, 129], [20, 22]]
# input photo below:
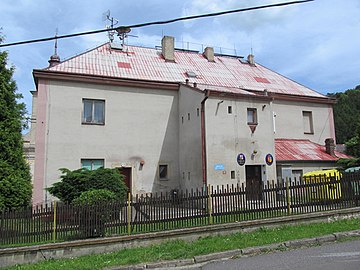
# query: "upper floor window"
[[252, 116], [92, 164], [93, 111], [308, 122]]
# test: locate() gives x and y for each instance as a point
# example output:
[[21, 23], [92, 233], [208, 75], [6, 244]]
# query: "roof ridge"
[[78, 55]]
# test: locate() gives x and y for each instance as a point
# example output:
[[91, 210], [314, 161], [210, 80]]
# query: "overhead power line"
[[121, 29]]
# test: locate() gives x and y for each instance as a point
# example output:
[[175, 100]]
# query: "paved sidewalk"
[[251, 251]]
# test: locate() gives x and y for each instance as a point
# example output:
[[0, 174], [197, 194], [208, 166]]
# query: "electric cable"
[[121, 29]]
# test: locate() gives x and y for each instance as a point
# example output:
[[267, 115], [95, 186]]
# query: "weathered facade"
[[170, 119]]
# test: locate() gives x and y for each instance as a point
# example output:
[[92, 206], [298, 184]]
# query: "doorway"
[[126, 172], [253, 182]]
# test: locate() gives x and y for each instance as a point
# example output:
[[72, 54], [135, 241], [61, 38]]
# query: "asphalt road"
[[335, 256]]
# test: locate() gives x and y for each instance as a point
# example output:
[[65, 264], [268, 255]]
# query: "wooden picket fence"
[[178, 209]]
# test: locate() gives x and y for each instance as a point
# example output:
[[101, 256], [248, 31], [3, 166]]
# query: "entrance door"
[[126, 172], [253, 182]]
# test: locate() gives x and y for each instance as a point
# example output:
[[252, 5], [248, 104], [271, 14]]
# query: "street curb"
[[250, 251]]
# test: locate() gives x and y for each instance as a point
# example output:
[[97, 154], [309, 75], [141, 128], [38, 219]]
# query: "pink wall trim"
[[40, 143], [332, 123]]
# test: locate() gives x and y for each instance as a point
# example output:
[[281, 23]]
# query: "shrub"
[[94, 211], [95, 197], [74, 183]]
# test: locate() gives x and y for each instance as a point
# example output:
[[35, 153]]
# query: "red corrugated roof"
[[291, 150], [148, 64]]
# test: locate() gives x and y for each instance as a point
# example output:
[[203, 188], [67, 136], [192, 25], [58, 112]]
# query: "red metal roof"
[[148, 64], [303, 150]]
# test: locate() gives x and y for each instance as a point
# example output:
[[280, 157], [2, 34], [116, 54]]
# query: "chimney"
[[251, 60], [209, 54], [330, 146], [167, 44]]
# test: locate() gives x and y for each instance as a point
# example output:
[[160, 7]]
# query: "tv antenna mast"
[[113, 22]]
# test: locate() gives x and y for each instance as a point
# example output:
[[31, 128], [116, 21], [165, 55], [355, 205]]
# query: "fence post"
[[129, 214], [288, 198], [54, 224], [210, 205]]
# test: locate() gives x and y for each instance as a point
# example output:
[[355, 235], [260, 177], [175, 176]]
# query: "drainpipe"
[[203, 138]]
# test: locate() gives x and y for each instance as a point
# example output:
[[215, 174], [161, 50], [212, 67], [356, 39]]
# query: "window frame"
[[310, 129], [92, 163], [254, 116], [166, 177], [92, 122]]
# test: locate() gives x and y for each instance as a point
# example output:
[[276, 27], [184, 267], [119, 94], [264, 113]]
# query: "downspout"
[[203, 138]]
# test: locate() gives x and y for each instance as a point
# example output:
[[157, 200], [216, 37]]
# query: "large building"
[[176, 119]]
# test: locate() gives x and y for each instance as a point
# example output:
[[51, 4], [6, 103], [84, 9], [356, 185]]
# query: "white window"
[[252, 116], [308, 122], [92, 164], [93, 111]]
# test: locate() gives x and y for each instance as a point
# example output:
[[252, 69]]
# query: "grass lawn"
[[180, 249]]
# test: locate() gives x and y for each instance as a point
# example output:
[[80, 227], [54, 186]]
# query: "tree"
[[346, 113], [353, 145], [74, 183], [15, 179]]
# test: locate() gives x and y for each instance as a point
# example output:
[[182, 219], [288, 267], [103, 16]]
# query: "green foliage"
[[95, 197], [74, 183], [346, 113], [345, 163], [93, 207], [353, 145], [15, 179]]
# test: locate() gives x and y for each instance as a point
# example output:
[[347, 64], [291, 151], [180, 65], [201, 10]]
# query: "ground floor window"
[[92, 164]]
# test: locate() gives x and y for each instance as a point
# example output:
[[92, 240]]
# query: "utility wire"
[[125, 28]]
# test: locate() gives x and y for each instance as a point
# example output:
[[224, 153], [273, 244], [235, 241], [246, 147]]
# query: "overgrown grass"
[[180, 249]]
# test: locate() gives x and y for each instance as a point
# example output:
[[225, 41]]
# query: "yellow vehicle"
[[323, 185]]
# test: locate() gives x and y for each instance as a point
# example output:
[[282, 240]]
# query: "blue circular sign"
[[269, 159], [241, 159]]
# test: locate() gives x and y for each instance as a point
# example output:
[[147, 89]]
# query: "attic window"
[[261, 80], [123, 65], [191, 74]]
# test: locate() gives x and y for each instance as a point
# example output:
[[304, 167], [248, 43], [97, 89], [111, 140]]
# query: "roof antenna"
[[54, 59], [113, 22]]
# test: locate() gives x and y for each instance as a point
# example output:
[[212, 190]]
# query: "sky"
[[316, 44]]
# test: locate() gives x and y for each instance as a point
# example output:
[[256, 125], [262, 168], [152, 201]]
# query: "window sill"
[[93, 124]]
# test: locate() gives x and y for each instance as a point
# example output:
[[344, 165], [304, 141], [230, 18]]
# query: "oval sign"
[[241, 159], [269, 159]]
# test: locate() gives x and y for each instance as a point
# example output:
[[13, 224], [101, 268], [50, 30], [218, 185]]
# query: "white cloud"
[[316, 43]]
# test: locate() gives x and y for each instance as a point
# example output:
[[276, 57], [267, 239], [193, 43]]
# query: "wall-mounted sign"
[[269, 159], [241, 159], [219, 167]]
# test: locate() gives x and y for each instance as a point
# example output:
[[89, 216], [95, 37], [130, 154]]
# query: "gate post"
[[288, 198]]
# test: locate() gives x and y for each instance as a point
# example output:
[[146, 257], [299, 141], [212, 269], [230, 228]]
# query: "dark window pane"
[[87, 111], [99, 108], [163, 171]]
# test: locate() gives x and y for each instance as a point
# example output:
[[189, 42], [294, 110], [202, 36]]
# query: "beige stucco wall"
[[228, 135], [190, 149], [289, 120], [139, 125]]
